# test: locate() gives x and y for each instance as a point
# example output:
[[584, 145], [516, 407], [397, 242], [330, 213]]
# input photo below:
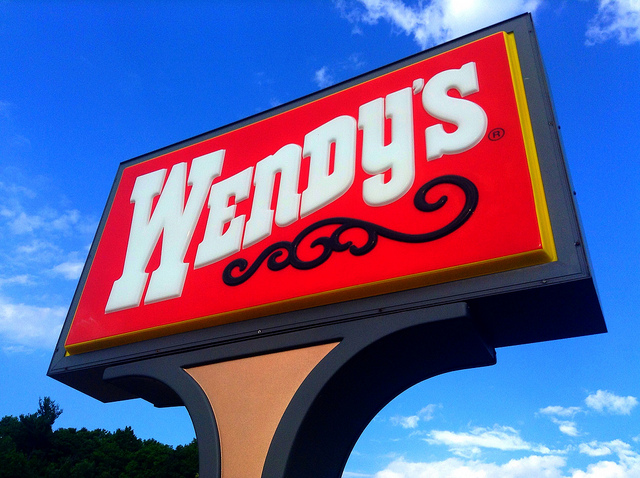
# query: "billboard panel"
[[434, 180], [422, 175]]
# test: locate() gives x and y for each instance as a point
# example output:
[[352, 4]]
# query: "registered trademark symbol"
[[496, 134]]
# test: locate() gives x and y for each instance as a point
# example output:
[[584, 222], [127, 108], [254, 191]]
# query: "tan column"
[[249, 397]]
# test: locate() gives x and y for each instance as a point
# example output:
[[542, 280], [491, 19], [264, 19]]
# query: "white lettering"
[[469, 117], [217, 244], [397, 156], [326, 186], [331, 149], [171, 219], [285, 161]]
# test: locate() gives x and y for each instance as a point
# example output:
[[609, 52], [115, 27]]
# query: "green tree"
[[12, 462], [35, 430], [30, 448]]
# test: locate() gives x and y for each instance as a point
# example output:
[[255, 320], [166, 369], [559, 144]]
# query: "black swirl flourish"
[[285, 253]]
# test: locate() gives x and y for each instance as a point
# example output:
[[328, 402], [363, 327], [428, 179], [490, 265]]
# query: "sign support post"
[[299, 412]]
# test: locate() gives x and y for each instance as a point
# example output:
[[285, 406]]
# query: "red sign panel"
[[423, 175]]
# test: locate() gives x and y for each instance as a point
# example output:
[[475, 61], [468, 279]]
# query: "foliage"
[[29, 447]]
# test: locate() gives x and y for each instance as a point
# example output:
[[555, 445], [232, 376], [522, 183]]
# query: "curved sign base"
[[299, 412]]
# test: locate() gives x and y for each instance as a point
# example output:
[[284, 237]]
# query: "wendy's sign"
[[335, 250], [425, 174]]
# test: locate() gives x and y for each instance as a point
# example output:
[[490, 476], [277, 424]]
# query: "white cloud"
[[627, 465], [23, 216], [560, 411], [37, 236], [356, 30], [28, 327], [37, 251], [14, 189], [22, 279], [24, 223], [326, 76], [567, 427], [594, 448], [35, 245], [539, 466], [436, 21], [69, 270], [47, 220], [603, 469], [406, 422], [425, 414], [468, 444], [616, 19], [64, 222], [354, 62], [323, 77], [601, 401], [607, 402], [611, 459]]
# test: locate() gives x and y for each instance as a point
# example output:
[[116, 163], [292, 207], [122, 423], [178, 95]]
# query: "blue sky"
[[84, 86]]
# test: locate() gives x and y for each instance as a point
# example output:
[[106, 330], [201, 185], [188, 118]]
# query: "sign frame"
[[549, 301]]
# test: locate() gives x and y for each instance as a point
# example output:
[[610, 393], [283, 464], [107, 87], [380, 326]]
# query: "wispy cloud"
[[12, 142], [546, 466], [22, 223], [625, 465], [27, 327], [406, 422], [23, 215], [354, 62], [39, 243], [628, 464], [473, 447], [607, 402], [616, 19], [326, 76], [595, 448], [36, 250], [69, 270], [426, 414], [38, 231], [323, 77], [430, 23], [266, 84], [65, 221], [14, 189], [469, 444], [560, 411], [568, 427], [22, 279], [48, 220], [601, 401]]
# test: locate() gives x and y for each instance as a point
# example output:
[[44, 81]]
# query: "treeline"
[[30, 448]]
